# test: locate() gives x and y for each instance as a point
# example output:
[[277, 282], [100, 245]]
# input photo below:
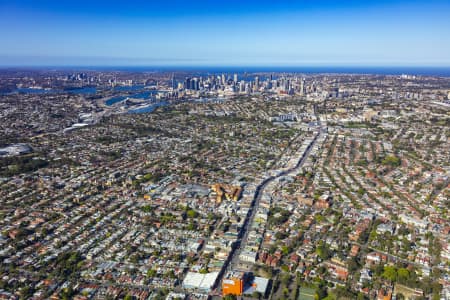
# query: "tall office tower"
[[302, 87], [195, 84], [187, 83], [248, 88], [257, 82], [242, 86], [174, 86], [224, 82], [282, 84], [235, 78]]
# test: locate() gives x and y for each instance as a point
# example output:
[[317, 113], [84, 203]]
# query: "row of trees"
[[10, 166]]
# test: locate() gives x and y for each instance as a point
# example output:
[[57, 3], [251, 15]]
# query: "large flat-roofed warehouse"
[[200, 282]]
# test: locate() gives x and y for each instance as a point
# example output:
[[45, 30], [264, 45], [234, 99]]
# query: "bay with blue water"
[[114, 100], [128, 88], [146, 95], [82, 91], [32, 91], [147, 109], [39, 91]]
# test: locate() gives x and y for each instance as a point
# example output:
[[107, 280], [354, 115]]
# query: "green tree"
[[403, 275], [323, 251], [353, 265], [390, 273], [151, 273], [191, 213], [391, 160]]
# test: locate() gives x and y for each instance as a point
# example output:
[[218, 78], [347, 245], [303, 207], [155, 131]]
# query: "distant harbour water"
[[142, 95], [33, 91], [81, 91], [147, 109], [114, 100], [129, 88]]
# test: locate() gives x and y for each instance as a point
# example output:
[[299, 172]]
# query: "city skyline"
[[251, 33]]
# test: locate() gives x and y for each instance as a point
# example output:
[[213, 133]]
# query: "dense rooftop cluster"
[[294, 186]]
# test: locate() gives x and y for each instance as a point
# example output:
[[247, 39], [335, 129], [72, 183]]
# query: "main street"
[[233, 262]]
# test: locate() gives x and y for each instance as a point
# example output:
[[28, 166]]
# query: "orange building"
[[233, 284]]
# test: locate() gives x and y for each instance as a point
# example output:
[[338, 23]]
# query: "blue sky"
[[233, 33]]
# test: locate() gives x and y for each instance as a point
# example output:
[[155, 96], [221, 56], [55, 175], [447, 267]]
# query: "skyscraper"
[[242, 86], [195, 84], [174, 86], [187, 83], [302, 87], [223, 79]]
